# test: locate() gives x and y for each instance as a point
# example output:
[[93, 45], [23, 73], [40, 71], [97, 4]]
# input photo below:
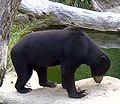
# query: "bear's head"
[[98, 61], [99, 69]]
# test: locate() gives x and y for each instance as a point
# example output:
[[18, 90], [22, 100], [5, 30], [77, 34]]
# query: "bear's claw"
[[48, 84]]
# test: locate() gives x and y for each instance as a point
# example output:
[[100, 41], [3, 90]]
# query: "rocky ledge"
[[108, 92]]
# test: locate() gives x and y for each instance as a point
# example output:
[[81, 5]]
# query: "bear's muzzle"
[[98, 79]]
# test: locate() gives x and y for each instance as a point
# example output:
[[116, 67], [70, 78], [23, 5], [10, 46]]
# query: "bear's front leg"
[[68, 83]]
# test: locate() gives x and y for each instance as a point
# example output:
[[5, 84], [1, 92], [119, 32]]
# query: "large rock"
[[108, 92]]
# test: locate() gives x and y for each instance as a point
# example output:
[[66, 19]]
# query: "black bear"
[[68, 48]]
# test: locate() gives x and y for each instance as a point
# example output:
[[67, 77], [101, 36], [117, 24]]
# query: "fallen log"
[[60, 14]]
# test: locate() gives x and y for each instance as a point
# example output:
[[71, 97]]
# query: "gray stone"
[[108, 92]]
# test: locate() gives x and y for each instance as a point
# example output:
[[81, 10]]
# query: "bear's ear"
[[102, 58]]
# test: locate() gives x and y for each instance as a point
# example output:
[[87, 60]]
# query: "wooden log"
[[60, 14]]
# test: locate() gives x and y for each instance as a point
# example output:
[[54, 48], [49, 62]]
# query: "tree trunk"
[[60, 14], [7, 12]]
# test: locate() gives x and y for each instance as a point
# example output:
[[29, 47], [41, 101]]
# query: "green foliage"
[[114, 55], [54, 74], [86, 4]]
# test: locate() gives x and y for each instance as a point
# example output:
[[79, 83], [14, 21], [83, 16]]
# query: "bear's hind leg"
[[23, 77], [23, 71], [42, 74]]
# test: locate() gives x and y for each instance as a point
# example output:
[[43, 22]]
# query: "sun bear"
[[69, 48]]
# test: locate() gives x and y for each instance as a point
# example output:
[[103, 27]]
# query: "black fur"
[[68, 48]]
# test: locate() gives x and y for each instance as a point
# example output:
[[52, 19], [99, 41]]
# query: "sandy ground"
[[108, 92]]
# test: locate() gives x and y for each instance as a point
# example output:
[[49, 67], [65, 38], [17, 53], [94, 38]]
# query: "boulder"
[[107, 92]]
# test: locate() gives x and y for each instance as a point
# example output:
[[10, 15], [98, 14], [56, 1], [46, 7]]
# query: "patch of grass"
[[82, 72], [54, 74], [114, 55]]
